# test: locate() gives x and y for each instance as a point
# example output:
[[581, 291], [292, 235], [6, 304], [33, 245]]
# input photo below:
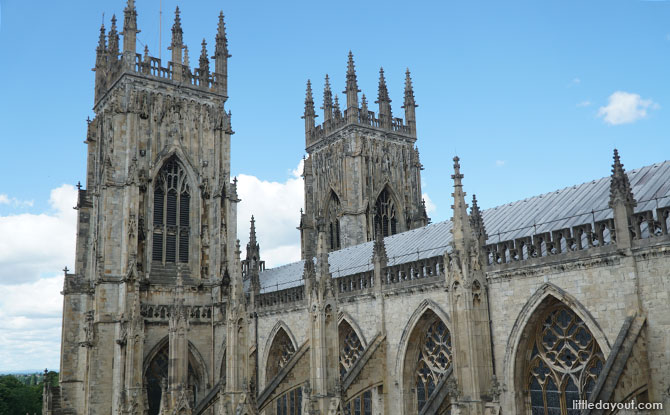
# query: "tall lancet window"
[[171, 214], [385, 214], [333, 225]]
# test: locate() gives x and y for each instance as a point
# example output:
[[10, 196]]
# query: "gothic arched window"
[[157, 373], [427, 361], [434, 360], [333, 225], [280, 353], [171, 214], [385, 218], [350, 347], [564, 363]]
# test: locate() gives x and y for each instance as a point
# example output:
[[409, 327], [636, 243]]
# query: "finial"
[[383, 95], [237, 249], [186, 59], [176, 28], [477, 221], [221, 30], [65, 270], [620, 189], [409, 91], [364, 105], [78, 185], [102, 40], [457, 176], [146, 52], [252, 232], [379, 249], [352, 84], [113, 36], [204, 62], [336, 106], [309, 101], [327, 93]]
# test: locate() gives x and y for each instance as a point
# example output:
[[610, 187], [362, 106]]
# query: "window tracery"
[[434, 360], [171, 214], [385, 217], [564, 365], [350, 347], [281, 351]]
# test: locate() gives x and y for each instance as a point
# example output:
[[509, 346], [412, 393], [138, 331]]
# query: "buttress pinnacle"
[[409, 91], [383, 92], [620, 189]]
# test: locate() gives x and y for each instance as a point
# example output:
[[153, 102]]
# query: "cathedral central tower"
[[362, 174]]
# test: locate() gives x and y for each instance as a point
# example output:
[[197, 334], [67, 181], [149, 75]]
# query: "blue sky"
[[532, 95]]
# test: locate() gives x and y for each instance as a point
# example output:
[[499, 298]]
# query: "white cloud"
[[584, 103], [33, 246], [575, 81], [667, 37], [276, 208], [430, 206], [31, 316], [500, 163], [6, 200], [625, 107]]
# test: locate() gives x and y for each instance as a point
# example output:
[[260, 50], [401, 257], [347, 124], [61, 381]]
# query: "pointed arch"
[[345, 316], [172, 208], [387, 212], [428, 323], [279, 348], [155, 369], [545, 307], [350, 342], [332, 215]]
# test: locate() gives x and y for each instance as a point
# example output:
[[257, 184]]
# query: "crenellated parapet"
[[112, 63]]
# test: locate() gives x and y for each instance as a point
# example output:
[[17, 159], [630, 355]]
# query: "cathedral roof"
[[560, 209]]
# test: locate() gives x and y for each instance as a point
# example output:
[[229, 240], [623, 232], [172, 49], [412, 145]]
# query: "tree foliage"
[[22, 394]]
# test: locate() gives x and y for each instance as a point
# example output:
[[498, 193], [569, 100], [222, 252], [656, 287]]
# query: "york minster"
[[522, 308]]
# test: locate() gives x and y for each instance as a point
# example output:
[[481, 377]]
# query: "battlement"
[[355, 114], [111, 63]]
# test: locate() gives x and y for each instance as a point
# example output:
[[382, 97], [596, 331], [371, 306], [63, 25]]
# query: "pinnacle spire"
[[102, 40], [385, 116], [379, 249], [221, 30], [352, 86], [177, 43], [409, 91], [252, 232], [309, 114], [113, 36], [620, 189], [383, 93], [336, 107], [204, 61], [461, 222], [477, 221], [364, 105], [177, 32], [327, 100], [130, 28]]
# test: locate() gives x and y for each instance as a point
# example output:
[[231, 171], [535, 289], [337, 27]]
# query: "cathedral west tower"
[[362, 174]]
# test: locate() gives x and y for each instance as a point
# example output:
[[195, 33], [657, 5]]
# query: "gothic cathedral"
[[532, 307]]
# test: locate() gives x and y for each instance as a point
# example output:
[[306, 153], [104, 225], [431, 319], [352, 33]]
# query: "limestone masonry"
[[519, 309]]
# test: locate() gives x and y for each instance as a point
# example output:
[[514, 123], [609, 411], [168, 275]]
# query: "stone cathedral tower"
[[363, 173], [156, 238]]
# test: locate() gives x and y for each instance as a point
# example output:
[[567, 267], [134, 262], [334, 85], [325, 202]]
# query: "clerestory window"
[[171, 214]]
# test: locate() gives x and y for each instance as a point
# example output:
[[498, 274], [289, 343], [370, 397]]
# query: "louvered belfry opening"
[[171, 214], [333, 222], [385, 214]]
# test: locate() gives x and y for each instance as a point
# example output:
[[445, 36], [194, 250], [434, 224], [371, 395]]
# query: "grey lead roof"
[[560, 209]]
